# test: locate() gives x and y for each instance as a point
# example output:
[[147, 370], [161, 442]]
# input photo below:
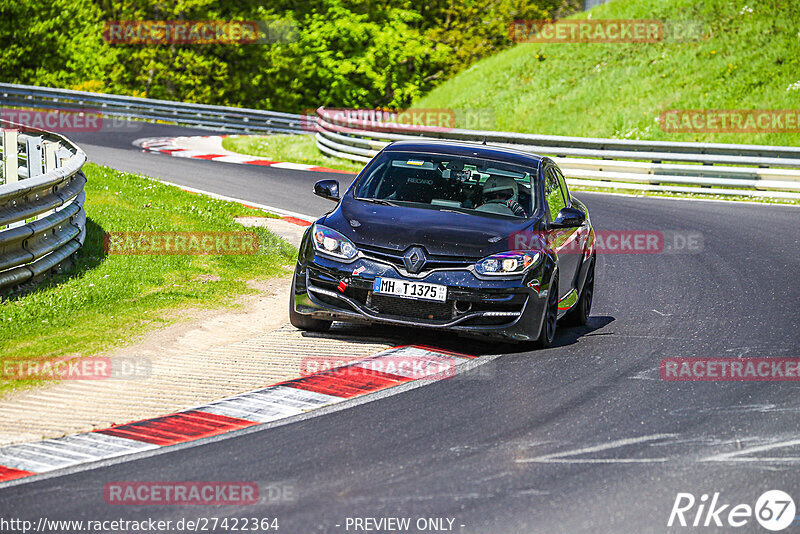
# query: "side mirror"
[[569, 218], [327, 189]]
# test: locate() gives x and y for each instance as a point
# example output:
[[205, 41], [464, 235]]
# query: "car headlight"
[[507, 263], [332, 243]]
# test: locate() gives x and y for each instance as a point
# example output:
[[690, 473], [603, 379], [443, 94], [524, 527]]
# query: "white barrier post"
[[10, 156], [34, 147], [50, 149]]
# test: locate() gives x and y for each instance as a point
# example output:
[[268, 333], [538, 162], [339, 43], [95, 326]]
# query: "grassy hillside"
[[747, 58]]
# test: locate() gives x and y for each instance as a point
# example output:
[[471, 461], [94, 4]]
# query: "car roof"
[[458, 148]]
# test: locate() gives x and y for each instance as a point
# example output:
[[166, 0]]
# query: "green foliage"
[[52, 42], [347, 53], [744, 58]]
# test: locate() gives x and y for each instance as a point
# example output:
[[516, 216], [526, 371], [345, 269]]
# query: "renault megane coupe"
[[468, 238]]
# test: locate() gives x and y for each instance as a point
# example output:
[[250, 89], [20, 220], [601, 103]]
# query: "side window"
[[563, 184], [553, 195]]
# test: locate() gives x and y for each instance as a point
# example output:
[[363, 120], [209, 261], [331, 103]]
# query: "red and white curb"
[[168, 145], [387, 369]]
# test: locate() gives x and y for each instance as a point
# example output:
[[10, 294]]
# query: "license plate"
[[411, 290]]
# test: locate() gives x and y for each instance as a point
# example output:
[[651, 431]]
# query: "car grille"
[[416, 309], [395, 257]]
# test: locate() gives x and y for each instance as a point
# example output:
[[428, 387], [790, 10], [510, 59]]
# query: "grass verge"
[[107, 300], [291, 148]]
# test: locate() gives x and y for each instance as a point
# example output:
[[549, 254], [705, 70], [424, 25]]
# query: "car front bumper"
[[511, 309]]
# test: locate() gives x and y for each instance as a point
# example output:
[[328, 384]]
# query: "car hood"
[[448, 233]]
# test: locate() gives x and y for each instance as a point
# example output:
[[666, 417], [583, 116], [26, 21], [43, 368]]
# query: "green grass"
[[291, 148], [107, 300], [743, 61]]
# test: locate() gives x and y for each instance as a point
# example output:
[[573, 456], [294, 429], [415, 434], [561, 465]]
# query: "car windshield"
[[444, 182]]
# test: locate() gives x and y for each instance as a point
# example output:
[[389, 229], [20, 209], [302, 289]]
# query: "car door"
[[563, 240]]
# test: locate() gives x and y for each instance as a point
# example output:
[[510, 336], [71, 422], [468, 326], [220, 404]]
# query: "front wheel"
[[548, 331], [304, 322]]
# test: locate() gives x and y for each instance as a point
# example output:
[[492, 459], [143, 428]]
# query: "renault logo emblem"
[[414, 259]]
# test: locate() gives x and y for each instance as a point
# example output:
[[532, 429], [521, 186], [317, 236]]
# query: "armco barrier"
[[215, 118], [42, 222], [750, 170]]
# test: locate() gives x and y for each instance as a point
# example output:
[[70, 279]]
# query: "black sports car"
[[469, 238]]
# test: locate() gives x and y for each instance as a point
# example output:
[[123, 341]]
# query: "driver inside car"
[[501, 195]]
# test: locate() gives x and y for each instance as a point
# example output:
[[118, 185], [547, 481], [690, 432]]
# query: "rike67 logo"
[[774, 510]]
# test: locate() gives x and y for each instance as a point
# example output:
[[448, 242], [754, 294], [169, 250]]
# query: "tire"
[[304, 322], [550, 322], [579, 315]]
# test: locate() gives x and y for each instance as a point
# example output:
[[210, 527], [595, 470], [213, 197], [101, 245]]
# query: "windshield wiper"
[[376, 201]]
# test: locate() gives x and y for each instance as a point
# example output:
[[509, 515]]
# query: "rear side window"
[[553, 194]]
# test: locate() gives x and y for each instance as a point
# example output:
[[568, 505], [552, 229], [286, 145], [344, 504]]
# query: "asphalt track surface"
[[583, 437]]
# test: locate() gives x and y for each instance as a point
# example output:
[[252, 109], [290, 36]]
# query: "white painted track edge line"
[[271, 209]]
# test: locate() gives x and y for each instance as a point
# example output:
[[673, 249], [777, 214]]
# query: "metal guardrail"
[[42, 222], [216, 118], [750, 170]]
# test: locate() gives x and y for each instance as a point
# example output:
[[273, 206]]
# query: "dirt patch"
[[199, 330]]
